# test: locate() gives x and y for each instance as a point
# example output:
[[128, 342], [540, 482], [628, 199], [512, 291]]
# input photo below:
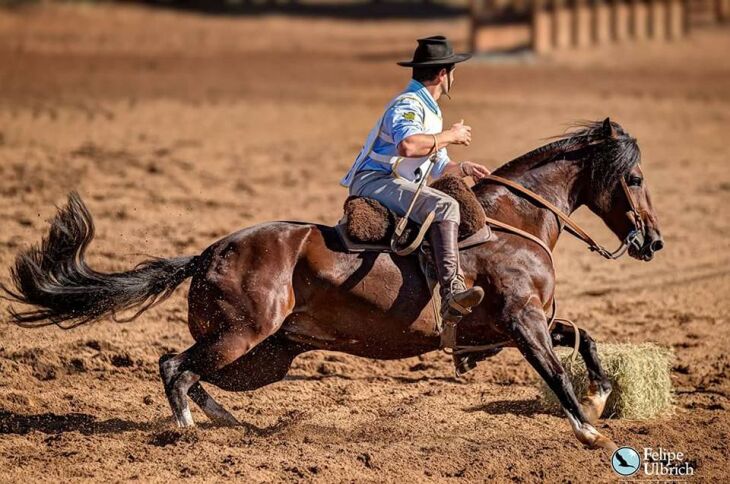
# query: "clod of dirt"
[[420, 367], [366, 459], [94, 345], [187, 472], [44, 372], [122, 360], [325, 369], [172, 437], [296, 471], [77, 365]]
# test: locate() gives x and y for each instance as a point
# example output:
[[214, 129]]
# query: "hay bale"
[[640, 375]]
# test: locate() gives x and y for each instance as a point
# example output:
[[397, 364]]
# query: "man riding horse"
[[264, 294], [407, 138]]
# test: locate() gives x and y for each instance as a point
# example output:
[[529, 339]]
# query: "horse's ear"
[[608, 130]]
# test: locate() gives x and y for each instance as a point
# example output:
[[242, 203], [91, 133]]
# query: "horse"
[[267, 293]]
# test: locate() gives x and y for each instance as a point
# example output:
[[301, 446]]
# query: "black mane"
[[614, 153]]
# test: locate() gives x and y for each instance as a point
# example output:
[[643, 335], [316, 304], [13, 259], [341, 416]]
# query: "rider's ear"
[[608, 130]]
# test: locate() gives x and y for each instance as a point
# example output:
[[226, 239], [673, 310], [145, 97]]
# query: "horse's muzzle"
[[646, 245]]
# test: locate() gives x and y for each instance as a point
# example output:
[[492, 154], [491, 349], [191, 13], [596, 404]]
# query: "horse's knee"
[[586, 339]]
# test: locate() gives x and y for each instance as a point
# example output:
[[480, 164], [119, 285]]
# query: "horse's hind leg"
[[237, 299], [241, 320], [181, 372], [177, 382], [600, 387], [212, 409], [528, 328], [267, 363]]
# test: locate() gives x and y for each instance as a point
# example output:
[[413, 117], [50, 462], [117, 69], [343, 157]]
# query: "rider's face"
[[447, 81]]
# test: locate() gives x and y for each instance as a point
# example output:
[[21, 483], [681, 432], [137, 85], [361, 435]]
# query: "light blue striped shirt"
[[406, 118]]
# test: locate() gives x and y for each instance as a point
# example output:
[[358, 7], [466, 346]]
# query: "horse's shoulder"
[[513, 266]]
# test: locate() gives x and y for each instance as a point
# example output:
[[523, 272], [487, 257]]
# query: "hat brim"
[[453, 59]]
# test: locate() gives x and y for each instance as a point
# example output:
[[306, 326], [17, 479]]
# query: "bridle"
[[635, 237]]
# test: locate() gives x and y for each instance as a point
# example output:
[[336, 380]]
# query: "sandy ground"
[[177, 129]]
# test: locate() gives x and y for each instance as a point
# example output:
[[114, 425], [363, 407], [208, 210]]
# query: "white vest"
[[409, 168]]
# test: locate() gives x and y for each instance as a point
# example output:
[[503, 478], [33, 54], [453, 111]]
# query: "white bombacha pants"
[[397, 193]]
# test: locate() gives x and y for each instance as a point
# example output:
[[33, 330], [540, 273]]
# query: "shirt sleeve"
[[406, 118]]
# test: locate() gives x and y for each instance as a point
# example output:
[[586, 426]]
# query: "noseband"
[[636, 236]]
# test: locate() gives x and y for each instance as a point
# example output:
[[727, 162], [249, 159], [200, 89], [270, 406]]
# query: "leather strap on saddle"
[[416, 241]]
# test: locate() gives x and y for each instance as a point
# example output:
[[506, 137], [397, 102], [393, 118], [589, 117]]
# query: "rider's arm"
[[417, 145]]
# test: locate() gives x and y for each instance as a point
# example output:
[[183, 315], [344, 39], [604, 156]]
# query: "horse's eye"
[[634, 181]]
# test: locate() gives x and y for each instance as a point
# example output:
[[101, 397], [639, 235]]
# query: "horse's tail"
[[55, 278]]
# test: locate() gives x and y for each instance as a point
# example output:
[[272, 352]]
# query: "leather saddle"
[[368, 226]]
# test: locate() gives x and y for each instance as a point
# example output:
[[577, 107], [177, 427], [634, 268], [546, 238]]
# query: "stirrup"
[[462, 310], [458, 285]]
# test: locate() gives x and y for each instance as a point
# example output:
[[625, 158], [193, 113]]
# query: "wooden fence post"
[[581, 23], [620, 19], [562, 31], [475, 10], [541, 27], [658, 19], [601, 23], [676, 23], [639, 20]]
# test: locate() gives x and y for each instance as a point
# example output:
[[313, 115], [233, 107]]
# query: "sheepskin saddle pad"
[[367, 221]]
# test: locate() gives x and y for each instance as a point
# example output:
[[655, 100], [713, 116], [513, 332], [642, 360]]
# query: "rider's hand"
[[461, 133], [474, 170]]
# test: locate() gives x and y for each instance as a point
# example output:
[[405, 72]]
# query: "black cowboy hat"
[[434, 51]]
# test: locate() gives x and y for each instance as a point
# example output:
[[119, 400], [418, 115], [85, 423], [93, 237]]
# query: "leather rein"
[[571, 226]]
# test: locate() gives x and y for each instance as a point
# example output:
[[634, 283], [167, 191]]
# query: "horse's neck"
[[559, 182]]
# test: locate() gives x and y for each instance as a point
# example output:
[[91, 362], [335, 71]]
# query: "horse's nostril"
[[657, 245]]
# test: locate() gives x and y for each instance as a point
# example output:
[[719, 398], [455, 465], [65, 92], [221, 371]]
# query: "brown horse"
[[265, 294]]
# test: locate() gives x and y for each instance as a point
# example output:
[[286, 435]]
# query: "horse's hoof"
[[603, 442], [463, 364]]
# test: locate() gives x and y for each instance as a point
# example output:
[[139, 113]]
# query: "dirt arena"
[[178, 128]]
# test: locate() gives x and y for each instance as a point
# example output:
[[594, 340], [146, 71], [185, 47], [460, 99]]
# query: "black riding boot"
[[456, 299]]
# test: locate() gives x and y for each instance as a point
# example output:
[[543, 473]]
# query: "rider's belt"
[[407, 168]]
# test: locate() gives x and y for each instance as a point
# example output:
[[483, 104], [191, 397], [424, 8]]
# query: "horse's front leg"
[[528, 327], [600, 387]]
